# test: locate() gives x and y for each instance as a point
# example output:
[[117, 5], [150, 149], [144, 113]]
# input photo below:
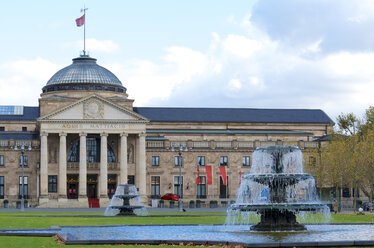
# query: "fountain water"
[[277, 190], [125, 201]]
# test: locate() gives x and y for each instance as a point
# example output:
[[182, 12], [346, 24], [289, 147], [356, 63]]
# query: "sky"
[[310, 54]]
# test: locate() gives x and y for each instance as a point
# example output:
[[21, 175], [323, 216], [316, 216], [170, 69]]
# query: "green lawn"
[[16, 220]]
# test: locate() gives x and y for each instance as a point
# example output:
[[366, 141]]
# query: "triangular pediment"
[[93, 107]]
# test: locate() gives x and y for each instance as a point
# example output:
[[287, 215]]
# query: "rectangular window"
[[131, 179], [201, 188], [312, 161], [24, 129], [25, 161], [52, 184], [1, 187], [246, 161], [223, 161], [1, 160], [178, 160], [25, 187], [178, 182], [2, 128], [155, 187], [224, 189], [201, 160], [155, 160]]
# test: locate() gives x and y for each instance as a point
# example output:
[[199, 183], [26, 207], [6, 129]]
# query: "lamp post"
[[181, 148], [22, 178]]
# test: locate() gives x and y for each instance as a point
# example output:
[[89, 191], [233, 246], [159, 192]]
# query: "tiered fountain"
[[125, 201], [277, 190]]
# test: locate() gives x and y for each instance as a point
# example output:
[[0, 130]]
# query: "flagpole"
[[84, 31]]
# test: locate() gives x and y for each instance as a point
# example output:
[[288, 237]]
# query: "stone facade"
[[116, 144]]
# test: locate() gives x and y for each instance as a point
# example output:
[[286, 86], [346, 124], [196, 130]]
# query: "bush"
[[192, 202], [161, 201], [198, 201], [213, 202], [6, 201]]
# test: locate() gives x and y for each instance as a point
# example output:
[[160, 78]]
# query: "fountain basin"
[[323, 235], [296, 207]]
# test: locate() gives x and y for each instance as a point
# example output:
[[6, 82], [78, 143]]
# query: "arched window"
[[93, 151]]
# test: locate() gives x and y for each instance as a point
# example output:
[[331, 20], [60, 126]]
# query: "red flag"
[[222, 169], [198, 176], [80, 21], [240, 177], [208, 170]]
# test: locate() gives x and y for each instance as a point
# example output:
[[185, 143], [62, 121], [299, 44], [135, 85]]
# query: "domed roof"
[[84, 70]]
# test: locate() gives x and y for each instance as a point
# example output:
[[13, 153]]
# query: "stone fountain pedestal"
[[277, 220]]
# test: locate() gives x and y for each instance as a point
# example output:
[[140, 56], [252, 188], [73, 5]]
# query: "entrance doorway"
[[72, 186], [92, 186], [112, 184]]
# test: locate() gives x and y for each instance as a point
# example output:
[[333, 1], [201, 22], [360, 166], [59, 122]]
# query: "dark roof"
[[19, 135], [239, 115], [29, 114]]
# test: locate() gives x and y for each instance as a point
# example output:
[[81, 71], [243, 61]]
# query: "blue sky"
[[247, 54]]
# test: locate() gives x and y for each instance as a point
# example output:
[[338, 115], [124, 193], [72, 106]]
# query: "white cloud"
[[240, 46], [21, 81]]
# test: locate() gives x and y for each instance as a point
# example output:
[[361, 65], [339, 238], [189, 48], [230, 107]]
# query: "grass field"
[[16, 220]]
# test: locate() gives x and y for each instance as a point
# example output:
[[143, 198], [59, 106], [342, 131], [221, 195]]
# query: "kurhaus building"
[[86, 137]]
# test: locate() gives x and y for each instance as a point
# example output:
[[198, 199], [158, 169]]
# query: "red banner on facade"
[[240, 177], [222, 170], [209, 174], [198, 176]]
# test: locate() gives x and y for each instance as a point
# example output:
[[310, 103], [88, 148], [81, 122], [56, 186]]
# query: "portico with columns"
[[98, 143]]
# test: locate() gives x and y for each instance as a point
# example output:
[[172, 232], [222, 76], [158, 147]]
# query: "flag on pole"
[[80, 21], [222, 170], [198, 176], [209, 174]]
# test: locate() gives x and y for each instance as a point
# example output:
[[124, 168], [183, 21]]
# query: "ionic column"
[[62, 167], [141, 167], [44, 165], [103, 182], [123, 159], [82, 166]]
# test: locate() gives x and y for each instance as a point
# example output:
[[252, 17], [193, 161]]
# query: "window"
[[73, 155], [52, 184], [312, 161], [223, 189], [155, 160], [1, 187], [1, 160], [2, 128], [177, 183], [223, 161], [246, 161], [23, 159], [177, 162], [201, 160], [131, 179], [24, 129], [25, 187], [201, 188], [155, 187], [93, 151]]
